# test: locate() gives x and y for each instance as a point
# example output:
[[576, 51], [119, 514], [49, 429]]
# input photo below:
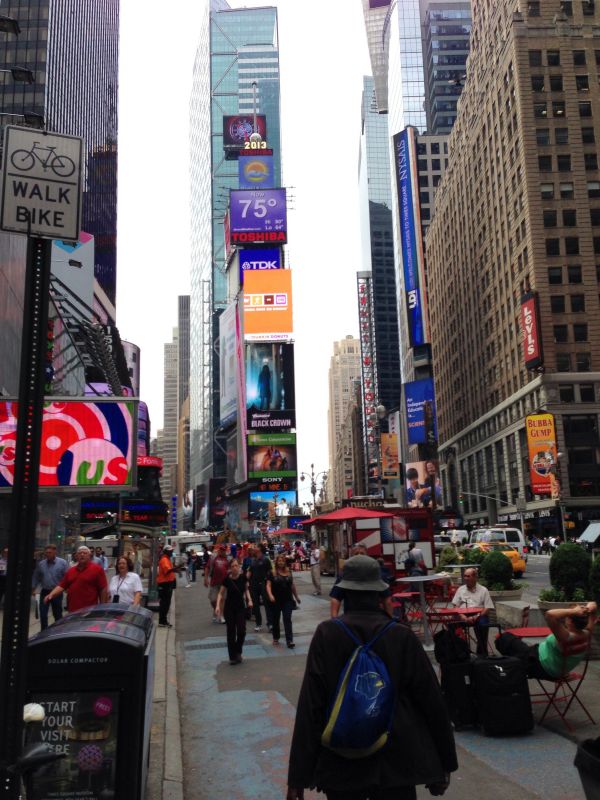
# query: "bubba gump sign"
[[541, 445]]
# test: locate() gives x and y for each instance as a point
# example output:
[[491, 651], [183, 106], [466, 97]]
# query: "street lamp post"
[[314, 477]]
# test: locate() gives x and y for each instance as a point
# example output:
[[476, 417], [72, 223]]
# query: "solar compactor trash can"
[[93, 672]]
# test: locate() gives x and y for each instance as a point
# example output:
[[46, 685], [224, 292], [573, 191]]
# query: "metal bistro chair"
[[566, 688]]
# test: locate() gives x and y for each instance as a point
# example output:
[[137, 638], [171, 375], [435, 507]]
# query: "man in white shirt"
[[315, 567], [472, 595]]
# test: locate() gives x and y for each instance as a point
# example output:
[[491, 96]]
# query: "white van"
[[500, 533]]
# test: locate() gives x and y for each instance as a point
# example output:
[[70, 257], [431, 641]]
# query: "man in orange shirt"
[[166, 581]]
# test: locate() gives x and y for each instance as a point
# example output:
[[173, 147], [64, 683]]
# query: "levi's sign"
[[41, 184]]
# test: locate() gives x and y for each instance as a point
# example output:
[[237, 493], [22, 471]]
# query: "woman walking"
[[125, 585], [281, 591], [232, 600]]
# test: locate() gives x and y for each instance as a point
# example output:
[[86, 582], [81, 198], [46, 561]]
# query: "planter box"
[[546, 605], [508, 594]]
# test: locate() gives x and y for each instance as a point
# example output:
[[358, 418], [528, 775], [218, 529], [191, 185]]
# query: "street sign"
[[41, 184]]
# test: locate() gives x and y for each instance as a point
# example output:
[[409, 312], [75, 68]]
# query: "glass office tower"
[[72, 48], [238, 48]]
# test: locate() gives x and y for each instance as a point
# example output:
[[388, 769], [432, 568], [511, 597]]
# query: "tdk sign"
[[259, 260]]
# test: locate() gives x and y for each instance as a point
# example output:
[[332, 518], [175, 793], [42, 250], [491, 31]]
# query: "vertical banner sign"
[[541, 445], [241, 391], [227, 366], [530, 325], [420, 412], [390, 466], [407, 181], [369, 373]]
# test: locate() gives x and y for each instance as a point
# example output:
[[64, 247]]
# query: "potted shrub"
[[497, 574], [569, 577]]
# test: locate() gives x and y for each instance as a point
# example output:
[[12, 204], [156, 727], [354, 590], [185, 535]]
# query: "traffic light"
[[461, 499]]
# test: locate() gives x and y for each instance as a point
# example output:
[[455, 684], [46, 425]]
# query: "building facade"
[[517, 217], [168, 481]]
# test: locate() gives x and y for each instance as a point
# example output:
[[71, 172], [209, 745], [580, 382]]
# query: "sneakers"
[[235, 661], [316, 594], [258, 629], [222, 620], [164, 625], [276, 642], [291, 645], [188, 586]]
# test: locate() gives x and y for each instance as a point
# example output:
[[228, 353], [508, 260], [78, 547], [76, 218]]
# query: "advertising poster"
[[268, 305], [420, 412], [241, 469], [390, 464], [227, 366], [83, 726], [541, 445], [217, 503], [270, 395], [270, 505], [532, 335], [256, 171], [272, 455], [423, 484], [237, 129], [258, 216], [410, 234], [84, 444], [260, 260]]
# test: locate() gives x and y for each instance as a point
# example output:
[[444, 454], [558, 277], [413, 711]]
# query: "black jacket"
[[421, 746]]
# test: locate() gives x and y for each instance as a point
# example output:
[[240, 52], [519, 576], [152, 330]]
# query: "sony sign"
[[259, 260]]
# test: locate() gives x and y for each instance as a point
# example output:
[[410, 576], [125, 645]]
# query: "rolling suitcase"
[[502, 694], [457, 688]]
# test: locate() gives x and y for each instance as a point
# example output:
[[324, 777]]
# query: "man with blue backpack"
[[371, 722]]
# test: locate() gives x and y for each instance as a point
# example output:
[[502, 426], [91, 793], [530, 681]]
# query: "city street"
[[237, 721]]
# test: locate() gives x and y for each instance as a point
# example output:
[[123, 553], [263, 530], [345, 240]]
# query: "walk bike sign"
[[41, 184]]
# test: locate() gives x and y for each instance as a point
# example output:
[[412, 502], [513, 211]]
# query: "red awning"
[[348, 514]]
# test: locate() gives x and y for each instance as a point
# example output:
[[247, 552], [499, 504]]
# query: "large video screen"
[[272, 455], [237, 129], [420, 412], [85, 444], [268, 306], [258, 216], [270, 396], [269, 505]]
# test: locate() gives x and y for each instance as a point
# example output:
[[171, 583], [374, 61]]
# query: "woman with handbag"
[[235, 605], [281, 591], [125, 585]]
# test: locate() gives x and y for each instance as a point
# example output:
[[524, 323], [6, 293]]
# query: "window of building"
[[574, 273], [566, 6], [563, 362], [563, 163], [596, 241], [559, 109], [426, 213], [579, 58], [553, 58], [572, 245], [422, 165], [580, 332], [542, 136], [561, 135], [436, 180], [595, 216], [556, 83], [545, 163], [585, 109], [586, 393], [569, 217], [435, 148], [547, 191], [421, 149], [566, 190], [583, 362], [566, 392], [540, 110], [424, 197], [560, 333], [597, 54], [577, 303], [555, 276], [582, 83], [533, 8], [552, 247], [549, 219], [588, 8], [588, 136], [593, 188], [590, 160], [557, 303]]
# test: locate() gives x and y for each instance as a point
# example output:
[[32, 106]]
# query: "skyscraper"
[[168, 481], [237, 65], [72, 48]]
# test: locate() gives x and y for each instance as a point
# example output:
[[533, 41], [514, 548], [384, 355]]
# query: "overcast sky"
[[323, 57]]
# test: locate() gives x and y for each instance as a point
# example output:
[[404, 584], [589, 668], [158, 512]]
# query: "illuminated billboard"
[[542, 449], [423, 485], [270, 505], [366, 321], [84, 444], [407, 182], [227, 366], [141, 512], [256, 171], [532, 336], [420, 412], [272, 455], [238, 128], [259, 260], [258, 217], [268, 305], [270, 396], [390, 464]]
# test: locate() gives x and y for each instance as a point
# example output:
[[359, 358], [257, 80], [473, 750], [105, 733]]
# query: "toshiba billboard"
[[268, 305]]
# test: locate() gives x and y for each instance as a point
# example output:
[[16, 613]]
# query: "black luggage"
[[502, 693], [457, 688]]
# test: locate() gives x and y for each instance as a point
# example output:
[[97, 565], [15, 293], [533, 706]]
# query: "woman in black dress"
[[281, 591], [232, 600]]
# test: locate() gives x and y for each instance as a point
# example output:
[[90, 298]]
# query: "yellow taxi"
[[516, 559]]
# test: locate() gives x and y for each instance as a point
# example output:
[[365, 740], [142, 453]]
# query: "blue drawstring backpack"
[[360, 717]]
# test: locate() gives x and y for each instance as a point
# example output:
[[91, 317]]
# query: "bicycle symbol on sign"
[[24, 160]]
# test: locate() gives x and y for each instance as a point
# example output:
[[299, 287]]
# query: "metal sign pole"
[[23, 520]]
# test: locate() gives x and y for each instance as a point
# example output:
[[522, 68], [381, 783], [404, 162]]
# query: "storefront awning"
[[591, 534]]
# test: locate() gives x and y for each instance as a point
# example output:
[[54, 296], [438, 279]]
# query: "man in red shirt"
[[85, 583]]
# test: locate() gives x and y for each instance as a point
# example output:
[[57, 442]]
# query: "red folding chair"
[[566, 688]]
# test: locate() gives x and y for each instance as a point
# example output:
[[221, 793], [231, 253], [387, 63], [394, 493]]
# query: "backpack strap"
[[356, 640]]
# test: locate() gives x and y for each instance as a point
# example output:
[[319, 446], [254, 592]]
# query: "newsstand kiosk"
[[93, 672]]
